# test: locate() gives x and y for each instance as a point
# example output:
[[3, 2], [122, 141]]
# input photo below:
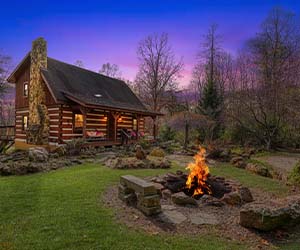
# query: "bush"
[[145, 144], [294, 176], [74, 146], [157, 152], [166, 133]]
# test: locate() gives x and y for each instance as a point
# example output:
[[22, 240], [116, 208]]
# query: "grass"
[[63, 210]]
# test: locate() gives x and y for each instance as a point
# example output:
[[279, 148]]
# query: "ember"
[[196, 184]]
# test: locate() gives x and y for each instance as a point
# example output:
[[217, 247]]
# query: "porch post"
[[84, 111], [115, 120], [154, 127], [137, 126]]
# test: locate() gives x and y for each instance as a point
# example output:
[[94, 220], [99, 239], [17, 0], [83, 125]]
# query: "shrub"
[[166, 133], [294, 176], [157, 152], [74, 146], [145, 144]]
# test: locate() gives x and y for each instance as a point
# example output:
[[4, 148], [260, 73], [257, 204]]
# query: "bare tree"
[[158, 72], [79, 63], [5, 65], [267, 74], [111, 70]]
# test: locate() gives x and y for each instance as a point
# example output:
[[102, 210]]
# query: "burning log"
[[199, 173]]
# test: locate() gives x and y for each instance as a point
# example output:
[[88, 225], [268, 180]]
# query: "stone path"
[[204, 219], [172, 217]]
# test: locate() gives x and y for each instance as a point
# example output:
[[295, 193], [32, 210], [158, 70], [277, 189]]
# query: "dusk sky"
[[97, 32]]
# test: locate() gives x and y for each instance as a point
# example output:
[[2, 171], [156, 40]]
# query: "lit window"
[[25, 122], [78, 122], [25, 90], [134, 124]]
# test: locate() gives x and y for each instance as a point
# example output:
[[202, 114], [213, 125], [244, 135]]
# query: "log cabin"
[[56, 102]]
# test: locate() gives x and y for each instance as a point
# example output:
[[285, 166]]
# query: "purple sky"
[[97, 32]]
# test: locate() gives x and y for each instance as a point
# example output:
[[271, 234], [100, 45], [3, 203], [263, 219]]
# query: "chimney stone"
[[38, 129]]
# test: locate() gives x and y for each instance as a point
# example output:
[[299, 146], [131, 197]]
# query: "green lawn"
[[63, 210]]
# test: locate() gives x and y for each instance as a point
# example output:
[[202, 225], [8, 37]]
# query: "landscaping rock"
[[245, 194], [158, 187], [166, 194], [38, 154], [133, 163], [232, 198], [140, 154], [258, 169], [172, 217], [271, 215], [203, 219], [238, 162], [182, 199]]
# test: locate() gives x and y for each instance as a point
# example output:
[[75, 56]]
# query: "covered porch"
[[103, 127]]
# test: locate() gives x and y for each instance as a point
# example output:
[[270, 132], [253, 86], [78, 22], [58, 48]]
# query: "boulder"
[[166, 194], [60, 150], [271, 215], [238, 162], [258, 169], [182, 199], [232, 198], [140, 154], [245, 194], [38, 154]]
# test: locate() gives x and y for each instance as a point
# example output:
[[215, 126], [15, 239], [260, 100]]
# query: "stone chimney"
[[38, 129]]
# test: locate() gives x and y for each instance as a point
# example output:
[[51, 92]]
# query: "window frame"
[[24, 126], [135, 126], [27, 93], [78, 130]]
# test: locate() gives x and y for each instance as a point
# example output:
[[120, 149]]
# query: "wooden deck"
[[7, 137]]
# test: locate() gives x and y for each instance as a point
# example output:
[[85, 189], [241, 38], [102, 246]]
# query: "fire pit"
[[194, 188], [198, 182]]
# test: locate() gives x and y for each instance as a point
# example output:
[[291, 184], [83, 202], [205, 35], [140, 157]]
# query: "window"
[[25, 89], [78, 123], [134, 124], [24, 122]]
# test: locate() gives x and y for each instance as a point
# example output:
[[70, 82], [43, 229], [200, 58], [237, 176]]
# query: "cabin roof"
[[68, 82]]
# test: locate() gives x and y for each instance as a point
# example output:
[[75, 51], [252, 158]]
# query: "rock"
[[172, 217], [245, 194], [60, 150], [203, 219], [168, 207], [158, 187], [38, 154], [5, 170], [140, 154], [258, 169], [166, 194], [158, 180], [271, 215], [182, 199], [232, 198], [209, 200], [133, 163], [238, 162]]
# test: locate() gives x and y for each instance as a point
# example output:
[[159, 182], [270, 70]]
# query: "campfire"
[[196, 184]]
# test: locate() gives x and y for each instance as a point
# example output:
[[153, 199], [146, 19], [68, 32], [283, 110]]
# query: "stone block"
[[138, 185]]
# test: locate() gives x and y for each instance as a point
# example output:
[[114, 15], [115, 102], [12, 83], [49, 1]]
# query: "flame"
[[198, 175]]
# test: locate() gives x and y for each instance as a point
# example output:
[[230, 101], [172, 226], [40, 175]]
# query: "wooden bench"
[[136, 190]]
